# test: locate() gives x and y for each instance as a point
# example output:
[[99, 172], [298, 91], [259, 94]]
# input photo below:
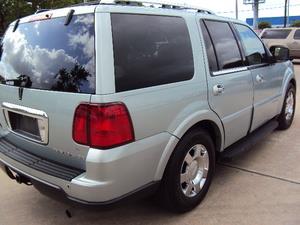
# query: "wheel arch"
[[212, 129], [293, 82], [289, 78], [211, 123]]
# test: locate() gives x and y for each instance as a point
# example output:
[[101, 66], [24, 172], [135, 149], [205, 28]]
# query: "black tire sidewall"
[[283, 122], [176, 199]]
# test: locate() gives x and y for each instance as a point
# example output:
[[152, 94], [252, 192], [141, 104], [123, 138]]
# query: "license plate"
[[24, 125], [27, 122]]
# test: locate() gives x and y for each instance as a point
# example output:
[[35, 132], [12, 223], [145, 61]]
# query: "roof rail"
[[87, 3], [161, 3]]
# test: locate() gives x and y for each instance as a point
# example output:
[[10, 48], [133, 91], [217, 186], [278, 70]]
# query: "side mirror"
[[280, 53]]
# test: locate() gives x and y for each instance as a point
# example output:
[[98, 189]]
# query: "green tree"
[[296, 23], [51, 4], [263, 25], [11, 10]]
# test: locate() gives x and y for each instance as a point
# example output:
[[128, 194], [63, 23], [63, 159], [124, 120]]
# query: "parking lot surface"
[[260, 187]]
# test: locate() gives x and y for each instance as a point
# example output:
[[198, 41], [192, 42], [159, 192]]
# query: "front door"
[[267, 78]]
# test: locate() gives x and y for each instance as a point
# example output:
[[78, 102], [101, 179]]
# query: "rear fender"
[[181, 130]]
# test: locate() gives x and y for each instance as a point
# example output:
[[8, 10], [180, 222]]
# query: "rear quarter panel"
[[171, 108], [160, 108]]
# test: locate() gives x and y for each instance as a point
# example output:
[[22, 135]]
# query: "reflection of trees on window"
[[20, 81], [23, 81], [70, 81]]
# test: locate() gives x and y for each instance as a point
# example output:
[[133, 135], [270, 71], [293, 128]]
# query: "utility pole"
[[288, 19], [255, 7], [237, 9], [286, 12]]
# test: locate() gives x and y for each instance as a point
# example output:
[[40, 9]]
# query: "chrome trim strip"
[[41, 116], [233, 70], [24, 110]]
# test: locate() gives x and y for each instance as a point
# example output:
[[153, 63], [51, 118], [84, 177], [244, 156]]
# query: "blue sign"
[[275, 21]]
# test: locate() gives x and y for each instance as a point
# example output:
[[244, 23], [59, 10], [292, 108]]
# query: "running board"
[[249, 141]]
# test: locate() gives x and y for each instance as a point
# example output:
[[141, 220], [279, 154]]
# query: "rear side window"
[[276, 34], [211, 55], [150, 51], [254, 48], [297, 35], [226, 46]]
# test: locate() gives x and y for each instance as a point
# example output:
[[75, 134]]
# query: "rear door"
[[267, 77], [229, 83], [46, 70]]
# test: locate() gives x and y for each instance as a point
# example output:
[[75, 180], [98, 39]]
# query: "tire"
[[172, 189], [286, 116]]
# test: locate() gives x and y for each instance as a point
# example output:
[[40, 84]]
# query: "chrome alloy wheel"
[[194, 170], [289, 107]]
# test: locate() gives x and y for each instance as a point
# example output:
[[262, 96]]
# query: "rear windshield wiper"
[[69, 17], [1, 49], [16, 25], [20, 81]]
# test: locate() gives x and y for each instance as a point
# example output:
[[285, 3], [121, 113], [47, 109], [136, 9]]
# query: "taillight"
[[102, 125]]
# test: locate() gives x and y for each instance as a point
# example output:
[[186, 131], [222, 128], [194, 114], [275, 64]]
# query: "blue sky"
[[227, 7]]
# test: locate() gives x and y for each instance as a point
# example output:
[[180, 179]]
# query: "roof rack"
[[152, 3], [163, 4]]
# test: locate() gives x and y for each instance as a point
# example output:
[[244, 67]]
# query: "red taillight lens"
[[80, 124], [102, 125]]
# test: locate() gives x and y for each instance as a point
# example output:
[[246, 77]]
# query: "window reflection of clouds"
[[84, 39], [36, 27], [21, 56], [25, 59]]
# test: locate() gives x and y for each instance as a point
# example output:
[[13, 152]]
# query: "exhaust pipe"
[[18, 177]]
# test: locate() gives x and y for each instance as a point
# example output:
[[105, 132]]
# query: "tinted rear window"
[[150, 51], [276, 34], [212, 59], [297, 35], [51, 56]]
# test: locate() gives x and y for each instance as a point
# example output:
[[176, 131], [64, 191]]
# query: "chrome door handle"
[[260, 79], [218, 89]]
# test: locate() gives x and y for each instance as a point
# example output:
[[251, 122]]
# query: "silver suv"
[[103, 101]]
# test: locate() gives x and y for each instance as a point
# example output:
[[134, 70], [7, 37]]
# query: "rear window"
[[51, 56], [275, 34], [297, 35], [150, 51]]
